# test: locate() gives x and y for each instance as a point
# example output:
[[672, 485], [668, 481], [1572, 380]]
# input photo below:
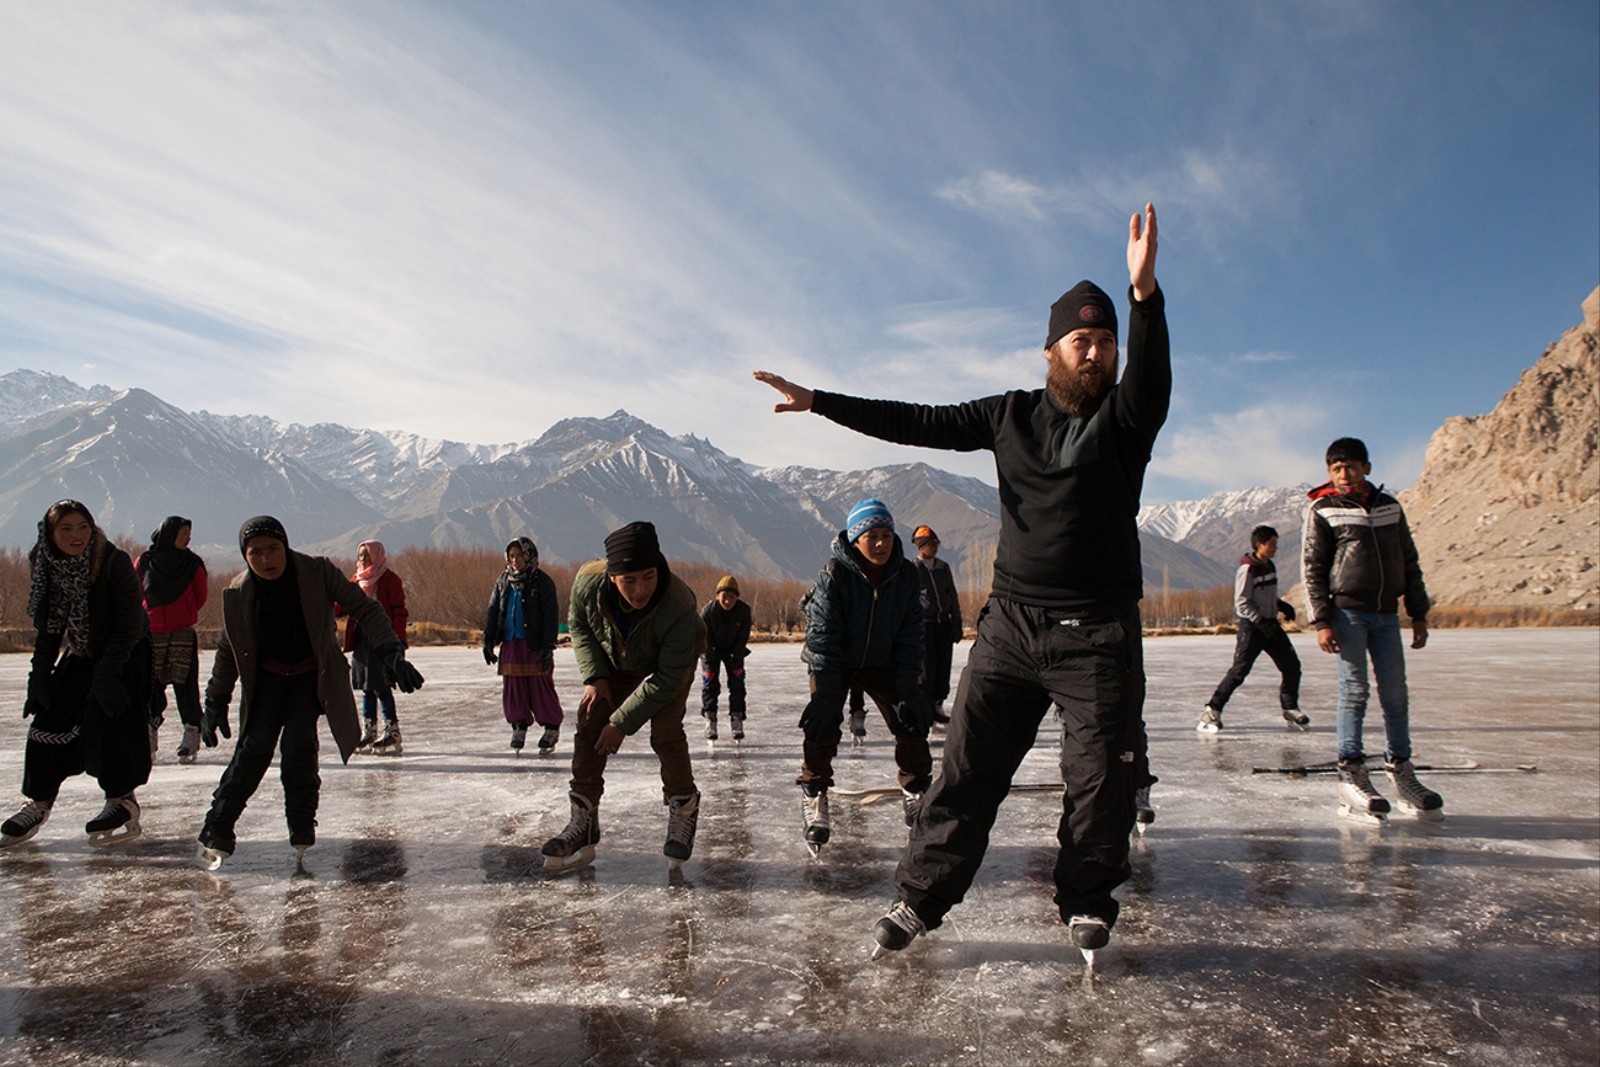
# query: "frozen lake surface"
[[1258, 928]]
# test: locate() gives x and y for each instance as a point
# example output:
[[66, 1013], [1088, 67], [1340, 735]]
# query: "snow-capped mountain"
[[134, 459], [25, 394], [1218, 526]]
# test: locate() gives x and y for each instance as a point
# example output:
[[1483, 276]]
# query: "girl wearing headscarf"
[[522, 620], [175, 586], [382, 584], [88, 690]]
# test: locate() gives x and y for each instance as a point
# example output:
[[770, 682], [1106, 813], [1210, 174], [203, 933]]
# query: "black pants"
[[1254, 639], [285, 706], [912, 758], [936, 654], [710, 668], [76, 736], [1023, 659]]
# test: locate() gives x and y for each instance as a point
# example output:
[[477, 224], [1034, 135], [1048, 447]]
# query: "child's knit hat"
[[728, 584], [866, 515]]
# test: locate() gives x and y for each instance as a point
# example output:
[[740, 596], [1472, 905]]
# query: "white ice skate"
[[814, 824], [1089, 934], [683, 816], [210, 858], [547, 741], [1358, 801], [390, 744], [1415, 798], [118, 822], [574, 847], [189, 747], [1210, 721], [24, 824]]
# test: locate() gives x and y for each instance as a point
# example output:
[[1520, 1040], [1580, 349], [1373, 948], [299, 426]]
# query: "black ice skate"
[[814, 817], [301, 837], [858, 727], [1210, 721], [390, 744], [683, 816], [368, 736], [24, 824], [117, 822], [1143, 813], [737, 723], [189, 747], [574, 847], [1415, 798], [1089, 934], [519, 736], [547, 741], [897, 929], [1296, 720], [1358, 801]]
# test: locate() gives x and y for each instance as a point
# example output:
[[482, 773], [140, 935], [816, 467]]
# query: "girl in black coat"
[[90, 683]]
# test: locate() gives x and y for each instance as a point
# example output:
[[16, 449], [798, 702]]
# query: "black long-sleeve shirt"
[[1069, 485]]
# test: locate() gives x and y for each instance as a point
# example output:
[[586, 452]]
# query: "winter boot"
[[1295, 719], [390, 743], [369, 735], [814, 817], [24, 824], [118, 821], [897, 929], [547, 742], [1358, 801], [189, 747], [213, 846], [1210, 721], [519, 735], [683, 817], [1415, 798], [574, 846]]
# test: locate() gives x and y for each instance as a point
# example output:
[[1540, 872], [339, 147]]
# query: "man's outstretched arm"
[[959, 427]]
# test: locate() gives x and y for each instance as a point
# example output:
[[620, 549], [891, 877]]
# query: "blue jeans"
[[1362, 634]]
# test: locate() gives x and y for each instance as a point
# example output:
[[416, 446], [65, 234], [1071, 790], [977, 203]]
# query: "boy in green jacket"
[[637, 637]]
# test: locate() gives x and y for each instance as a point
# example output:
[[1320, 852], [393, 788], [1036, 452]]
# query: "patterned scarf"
[[377, 566], [524, 578], [59, 585]]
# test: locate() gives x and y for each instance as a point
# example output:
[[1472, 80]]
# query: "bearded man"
[[1062, 620]]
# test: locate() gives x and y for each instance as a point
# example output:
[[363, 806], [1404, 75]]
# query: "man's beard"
[[1075, 392]]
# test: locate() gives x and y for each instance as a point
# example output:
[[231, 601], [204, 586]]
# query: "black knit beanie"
[[1083, 306], [633, 548], [261, 526]]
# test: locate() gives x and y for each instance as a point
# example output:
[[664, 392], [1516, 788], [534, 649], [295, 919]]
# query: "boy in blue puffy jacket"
[[864, 627]]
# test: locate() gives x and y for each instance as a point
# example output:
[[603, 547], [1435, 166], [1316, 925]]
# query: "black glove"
[[911, 715], [489, 657], [38, 700], [1286, 609], [823, 718], [215, 718], [400, 674], [108, 691]]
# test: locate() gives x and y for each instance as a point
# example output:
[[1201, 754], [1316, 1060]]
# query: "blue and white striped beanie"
[[864, 516]]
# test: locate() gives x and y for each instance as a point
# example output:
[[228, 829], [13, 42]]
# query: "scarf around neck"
[[59, 587]]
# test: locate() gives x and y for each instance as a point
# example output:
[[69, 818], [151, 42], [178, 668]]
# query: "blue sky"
[[472, 220]]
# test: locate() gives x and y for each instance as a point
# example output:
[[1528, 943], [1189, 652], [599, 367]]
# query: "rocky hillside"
[[1507, 510]]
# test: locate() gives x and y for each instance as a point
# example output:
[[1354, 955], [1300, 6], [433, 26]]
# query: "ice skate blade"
[[1141, 827], [674, 864], [8, 841], [210, 858], [1208, 728], [581, 858], [1361, 818], [1423, 814], [879, 951], [815, 848], [1088, 957], [117, 836]]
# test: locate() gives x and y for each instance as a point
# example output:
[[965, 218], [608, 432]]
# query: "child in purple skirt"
[[522, 620]]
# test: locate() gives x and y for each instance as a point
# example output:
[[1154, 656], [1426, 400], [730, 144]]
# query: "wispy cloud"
[[1262, 445]]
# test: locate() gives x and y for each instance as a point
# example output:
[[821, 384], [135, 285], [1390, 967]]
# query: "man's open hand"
[[1142, 253], [796, 397]]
